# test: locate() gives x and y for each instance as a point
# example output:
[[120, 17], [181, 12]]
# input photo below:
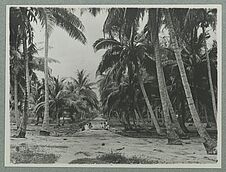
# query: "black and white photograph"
[[113, 86]]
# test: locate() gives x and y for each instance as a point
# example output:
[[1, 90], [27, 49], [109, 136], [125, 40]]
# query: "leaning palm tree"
[[209, 143], [126, 52], [68, 21], [154, 27]]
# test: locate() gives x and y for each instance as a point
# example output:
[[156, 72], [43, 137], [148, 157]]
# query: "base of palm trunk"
[[44, 133], [173, 138], [210, 146], [21, 134]]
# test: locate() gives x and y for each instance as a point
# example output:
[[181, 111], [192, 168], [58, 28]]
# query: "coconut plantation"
[[113, 85]]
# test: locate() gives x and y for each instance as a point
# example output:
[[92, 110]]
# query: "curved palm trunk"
[[157, 127], [171, 134], [45, 125], [210, 78], [209, 143], [23, 124], [17, 116]]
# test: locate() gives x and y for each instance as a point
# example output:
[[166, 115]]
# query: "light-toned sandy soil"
[[92, 143]]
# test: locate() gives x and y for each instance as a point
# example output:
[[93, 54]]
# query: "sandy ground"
[[91, 143]]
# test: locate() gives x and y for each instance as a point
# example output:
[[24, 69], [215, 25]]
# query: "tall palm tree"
[[154, 25], [15, 57], [209, 143], [15, 66], [20, 19], [57, 98], [120, 57], [68, 21], [204, 25]]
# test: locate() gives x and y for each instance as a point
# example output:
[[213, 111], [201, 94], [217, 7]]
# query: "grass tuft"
[[30, 157], [113, 158]]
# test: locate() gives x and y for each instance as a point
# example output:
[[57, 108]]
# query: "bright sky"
[[72, 54]]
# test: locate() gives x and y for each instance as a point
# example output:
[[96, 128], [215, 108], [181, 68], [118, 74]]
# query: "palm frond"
[[70, 23], [103, 43]]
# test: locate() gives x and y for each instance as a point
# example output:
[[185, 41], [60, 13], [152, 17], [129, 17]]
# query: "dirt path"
[[91, 143]]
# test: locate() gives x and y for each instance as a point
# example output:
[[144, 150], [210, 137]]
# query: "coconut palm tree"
[[207, 18], [20, 19], [68, 21], [82, 86], [57, 98], [209, 143], [117, 98], [15, 57], [121, 57], [15, 67], [188, 26], [154, 25]]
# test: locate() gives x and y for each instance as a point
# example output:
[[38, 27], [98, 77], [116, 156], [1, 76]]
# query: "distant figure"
[[106, 125], [101, 125], [86, 127], [90, 125], [83, 128]]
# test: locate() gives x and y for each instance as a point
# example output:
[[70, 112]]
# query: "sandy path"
[[91, 143]]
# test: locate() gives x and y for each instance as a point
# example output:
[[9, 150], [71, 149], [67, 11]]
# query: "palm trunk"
[[210, 78], [17, 116], [173, 114], [23, 124], [157, 127], [171, 134], [181, 116], [179, 130], [156, 114], [45, 125], [206, 117], [57, 117], [145, 127], [128, 120], [140, 115], [124, 121], [137, 117], [209, 143], [148, 115]]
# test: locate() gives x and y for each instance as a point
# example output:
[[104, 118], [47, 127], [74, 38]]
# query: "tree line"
[[53, 95], [142, 73]]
